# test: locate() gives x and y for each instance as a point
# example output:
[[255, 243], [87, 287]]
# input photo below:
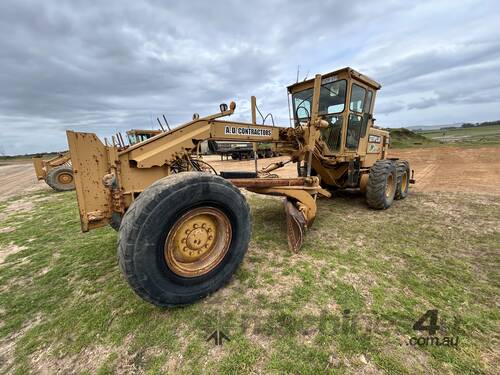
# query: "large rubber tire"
[[381, 187], [115, 221], [403, 174], [149, 219], [55, 179]]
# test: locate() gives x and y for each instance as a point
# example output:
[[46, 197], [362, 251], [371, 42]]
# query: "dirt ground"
[[16, 178], [469, 170]]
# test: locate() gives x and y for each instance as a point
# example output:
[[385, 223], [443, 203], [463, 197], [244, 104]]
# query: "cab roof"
[[342, 73]]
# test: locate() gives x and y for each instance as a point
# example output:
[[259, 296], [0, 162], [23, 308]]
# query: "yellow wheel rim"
[[198, 242], [65, 178], [404, 181], [389, 188]]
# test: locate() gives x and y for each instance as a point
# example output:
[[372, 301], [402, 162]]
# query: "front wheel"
[[183, 238]]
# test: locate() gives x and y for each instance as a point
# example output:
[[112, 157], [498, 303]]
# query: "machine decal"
[[374, 139], [233, 130], [373, 148]]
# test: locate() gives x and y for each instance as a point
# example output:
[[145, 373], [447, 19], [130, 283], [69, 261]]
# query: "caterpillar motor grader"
[[183, 231], [58, 172]]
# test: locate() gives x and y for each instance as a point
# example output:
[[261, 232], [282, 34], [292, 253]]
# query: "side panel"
[[90, 162], [135, 180], [376, 147], [39, 171]]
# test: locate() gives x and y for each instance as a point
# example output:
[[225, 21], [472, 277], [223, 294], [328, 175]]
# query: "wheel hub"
[[197, 242], [65, 178], [199, 239]]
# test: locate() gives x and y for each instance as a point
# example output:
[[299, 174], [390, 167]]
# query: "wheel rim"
[[389, 188], [404, 181], [65, 178], [198, 242]]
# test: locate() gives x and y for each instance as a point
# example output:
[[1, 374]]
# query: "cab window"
[[331, 100], [357, 98], [332, 135], [302, 104], [332, 97], [132, 139], [354, 130], [368, 101]]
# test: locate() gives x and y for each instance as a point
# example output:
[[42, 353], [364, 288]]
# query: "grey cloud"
[[390, 107], [113, 65], [423, 103], [434, 61]]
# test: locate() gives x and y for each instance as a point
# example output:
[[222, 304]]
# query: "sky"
[[110, 66]]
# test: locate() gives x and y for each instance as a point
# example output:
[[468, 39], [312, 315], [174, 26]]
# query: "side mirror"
[[223, 107]]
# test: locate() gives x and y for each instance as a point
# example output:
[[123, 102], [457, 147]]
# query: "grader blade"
[[295, 226]]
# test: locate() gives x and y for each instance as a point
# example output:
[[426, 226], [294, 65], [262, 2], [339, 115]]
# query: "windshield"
[[331, 100]]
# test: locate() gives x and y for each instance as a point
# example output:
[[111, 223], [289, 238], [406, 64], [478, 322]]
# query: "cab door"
[[359, 116]]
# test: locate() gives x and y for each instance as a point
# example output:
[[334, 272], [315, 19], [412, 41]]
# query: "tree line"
[[477, 124]]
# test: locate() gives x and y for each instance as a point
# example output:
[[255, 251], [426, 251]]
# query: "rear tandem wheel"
[[403, 175]]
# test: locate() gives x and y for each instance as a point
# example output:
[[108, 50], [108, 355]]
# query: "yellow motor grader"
[[58, 172], [184, 228]]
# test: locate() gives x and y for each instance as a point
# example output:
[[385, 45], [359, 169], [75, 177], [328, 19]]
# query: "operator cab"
[[345, 101], [140, 135]]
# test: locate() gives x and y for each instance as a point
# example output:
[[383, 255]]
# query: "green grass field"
[[404, 138], [481, 135], [64, 306], [467, 137]]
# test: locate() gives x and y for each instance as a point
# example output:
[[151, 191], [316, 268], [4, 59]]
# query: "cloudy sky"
[[109, 66]]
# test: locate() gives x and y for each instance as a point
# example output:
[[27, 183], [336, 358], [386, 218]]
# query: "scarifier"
[[184, 228]]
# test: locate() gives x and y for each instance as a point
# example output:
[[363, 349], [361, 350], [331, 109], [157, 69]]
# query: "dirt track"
[[18, 178], [474, 170]]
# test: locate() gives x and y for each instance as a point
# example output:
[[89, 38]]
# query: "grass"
[[345, 304], [404, 138], [466, 137], [481, 135]]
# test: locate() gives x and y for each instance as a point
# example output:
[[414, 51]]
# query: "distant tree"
[[489, 123]]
